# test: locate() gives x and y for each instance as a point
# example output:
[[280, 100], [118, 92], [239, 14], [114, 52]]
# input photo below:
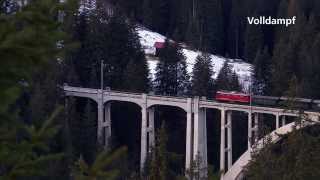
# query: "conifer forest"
[[186, 49]]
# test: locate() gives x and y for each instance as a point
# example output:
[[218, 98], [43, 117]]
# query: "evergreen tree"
[[171, 74], [227, 79], [33, 149], [122, 46], [212, 27], [88, 133], [202, 82], [253, 42], [261, 71], [193, 35], [236, 29], [308, 63], [31, 154], [118, 46], [161, 15], [159, 160], [147, 13], [107, 165], [80, 59], [234, 82], [94, 80], [285, 61], [44, 92], [282, 13], [136, 76], [34, 46], [294, 157]]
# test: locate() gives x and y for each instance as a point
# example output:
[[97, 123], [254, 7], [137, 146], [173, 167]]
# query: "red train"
[[232, 97], [256, 100]]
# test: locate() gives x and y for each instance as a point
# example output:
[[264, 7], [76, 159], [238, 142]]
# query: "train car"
[[265, 100], [232, 97], [296, 103]]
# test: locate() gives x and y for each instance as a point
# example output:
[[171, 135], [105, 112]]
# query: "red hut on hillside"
[[158, 46]]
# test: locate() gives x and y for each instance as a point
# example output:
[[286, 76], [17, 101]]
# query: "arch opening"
[[126, 130], [175, 121], [82, 119]]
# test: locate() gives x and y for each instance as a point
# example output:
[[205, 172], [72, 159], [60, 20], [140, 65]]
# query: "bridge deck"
[[94, 93]]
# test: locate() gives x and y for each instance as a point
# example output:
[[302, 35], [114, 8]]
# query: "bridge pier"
[[200, 138], [223, 148], [151, 129], [249, 130], [100, 128], [256, 127], [229, 138], [143, 151], [189, 139], [222, 142], [107, 124], [277, 121], [283, 121]]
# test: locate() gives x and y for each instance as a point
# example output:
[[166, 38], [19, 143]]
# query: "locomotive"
[[232, 97], [256, 100]]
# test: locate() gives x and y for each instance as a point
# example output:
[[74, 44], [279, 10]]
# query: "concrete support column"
[[222, 142], [256, 127], [100, 123], [203, 141], [143, 155], [249, 130], [200, 138], [189, 134], [229, 146], [107, 124], [277, 121], [283, 121], [151, 131], [196, 127]]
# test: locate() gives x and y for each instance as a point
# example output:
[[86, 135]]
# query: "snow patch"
[[242, 69]]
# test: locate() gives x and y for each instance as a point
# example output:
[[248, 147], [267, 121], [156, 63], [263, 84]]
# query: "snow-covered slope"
[[148, 38]]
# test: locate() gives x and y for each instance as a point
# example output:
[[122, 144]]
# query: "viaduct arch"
[[196, 130]]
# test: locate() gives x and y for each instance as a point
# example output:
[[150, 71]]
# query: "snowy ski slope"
[[148, 38]]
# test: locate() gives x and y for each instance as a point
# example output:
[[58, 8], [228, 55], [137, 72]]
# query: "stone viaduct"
[[196, 132]]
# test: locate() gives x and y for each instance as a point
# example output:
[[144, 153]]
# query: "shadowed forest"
[[46, 43]]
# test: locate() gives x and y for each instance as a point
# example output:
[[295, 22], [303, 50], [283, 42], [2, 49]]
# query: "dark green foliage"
[[136, 73], [236, 29], [309, 60], [202, 82], [171, 74], [88, 143], [294, 157], [282, 67], [112, 38], [44, 92], [107, 165], [193, 34], [294, 55], [159, 161], [28, 47], [262, 72], [227, 79], [34, 42], [115, 41], [253, 42], [25, 148], [212, 26]]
